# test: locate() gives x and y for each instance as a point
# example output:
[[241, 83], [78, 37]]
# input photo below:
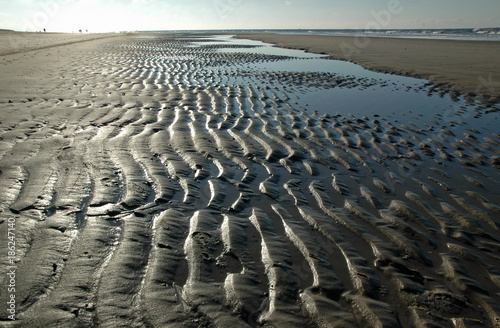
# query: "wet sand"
[[466, 67], [147, 191]]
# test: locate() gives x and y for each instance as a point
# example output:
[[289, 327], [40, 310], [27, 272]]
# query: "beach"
[[467, 67], [12, 42], [186, 180]]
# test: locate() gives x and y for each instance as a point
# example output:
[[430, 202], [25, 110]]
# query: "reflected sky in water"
[[401, 98]]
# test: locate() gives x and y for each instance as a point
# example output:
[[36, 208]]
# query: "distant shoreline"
[[470, 68]]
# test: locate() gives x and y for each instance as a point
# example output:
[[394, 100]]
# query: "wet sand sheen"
[[148, 191], [467, 67]]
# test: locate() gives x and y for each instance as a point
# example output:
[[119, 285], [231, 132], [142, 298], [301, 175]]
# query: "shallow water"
[[402, 98]]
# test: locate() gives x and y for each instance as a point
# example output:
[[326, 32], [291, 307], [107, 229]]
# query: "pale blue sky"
[[116, 15]]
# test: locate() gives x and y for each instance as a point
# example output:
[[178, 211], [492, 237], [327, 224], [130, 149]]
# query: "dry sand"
[[16, 42], [467, 67], [146, 192]]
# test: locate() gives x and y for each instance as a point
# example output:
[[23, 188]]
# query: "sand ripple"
[[158, 191]]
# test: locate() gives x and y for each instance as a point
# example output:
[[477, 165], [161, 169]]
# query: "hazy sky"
[[119, 15]]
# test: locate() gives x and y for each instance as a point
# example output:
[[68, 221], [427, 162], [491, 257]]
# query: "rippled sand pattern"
[[164, 193]]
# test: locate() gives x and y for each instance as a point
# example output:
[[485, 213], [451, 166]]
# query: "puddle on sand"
[[314, 82]]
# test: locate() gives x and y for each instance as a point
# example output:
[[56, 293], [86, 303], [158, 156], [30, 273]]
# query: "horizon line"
[[264, 29]]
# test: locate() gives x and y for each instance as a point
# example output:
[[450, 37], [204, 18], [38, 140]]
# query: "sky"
[[132, 15]]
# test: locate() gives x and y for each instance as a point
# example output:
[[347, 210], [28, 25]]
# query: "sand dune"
[[149, 190]]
